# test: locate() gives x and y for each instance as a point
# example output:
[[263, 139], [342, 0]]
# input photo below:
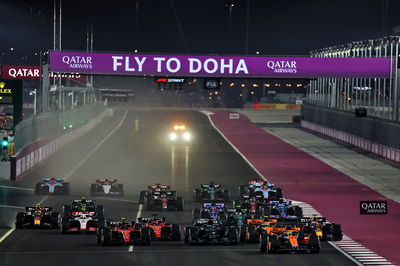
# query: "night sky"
[[276, 27]]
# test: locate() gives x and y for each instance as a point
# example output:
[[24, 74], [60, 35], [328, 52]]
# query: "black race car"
[[211, 192], [210, 232], [37, 217], [82, 216], [52, 186], [164, 200], [151, 189], [105, 187], [324, 229]]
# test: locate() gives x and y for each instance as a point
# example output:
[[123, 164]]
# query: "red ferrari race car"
[[123, 232], [161, 229]]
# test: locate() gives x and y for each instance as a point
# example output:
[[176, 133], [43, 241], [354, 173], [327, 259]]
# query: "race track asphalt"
[[137, 158]]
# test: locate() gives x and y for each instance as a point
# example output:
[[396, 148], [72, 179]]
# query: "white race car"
[[106, 187]]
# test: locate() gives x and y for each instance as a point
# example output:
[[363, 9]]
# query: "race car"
[[290, 237], [238, 218], [82, 216], [37, 217], [106, 187], [283, 209], [211, 210], [324, 229], [255, 187], [254, 204], [211, 192], [161, 229], [123, 232], [164, 200], [52, 186], [207, 231], [180, 134], [151, 189]]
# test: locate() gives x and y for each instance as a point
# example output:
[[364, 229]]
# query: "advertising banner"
[[31, 73], [217, 66]]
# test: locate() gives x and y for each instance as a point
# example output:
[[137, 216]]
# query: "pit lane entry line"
[[9, 232]]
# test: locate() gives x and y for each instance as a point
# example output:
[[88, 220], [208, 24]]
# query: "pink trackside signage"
[[217, 66]]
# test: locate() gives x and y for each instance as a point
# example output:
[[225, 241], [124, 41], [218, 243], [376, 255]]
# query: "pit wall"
[[378, 136], [36, 152]]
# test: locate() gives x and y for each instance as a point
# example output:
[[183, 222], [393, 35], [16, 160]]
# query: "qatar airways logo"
[[78, 62], [282, 66]]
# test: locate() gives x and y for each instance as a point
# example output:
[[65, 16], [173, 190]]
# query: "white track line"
[[138, 214], [309, 210], [11, 206], [9, 232], [76, 167], [18, 188], [96, 148]]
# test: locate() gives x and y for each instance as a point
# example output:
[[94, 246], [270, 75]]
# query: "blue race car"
[[52, 186], [260, 188], [213, 211], [283, 209]]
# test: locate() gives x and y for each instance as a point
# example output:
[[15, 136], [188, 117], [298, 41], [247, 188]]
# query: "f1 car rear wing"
[[48, 179], [255, 182], [45, 209], [101, 181], [313, 219], [208, 185], [217, 205], [235, 210], [159, 187]]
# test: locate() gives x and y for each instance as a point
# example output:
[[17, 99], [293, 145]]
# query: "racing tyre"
[[250, 233], [186, 238], [197, 195], [176, 232], [64, 226], [67, 211], [192, 236], [314, 243], [279, 193], [242, 190], [55, 217], [38, 189], [142, 196], [233, 236], [120, 189], [337, 232], [104, 237], [179, 204], [196, 214], [242, 233], [100, 212], [93, 190], [145, 236], [298, 211], [264, 243], [226, 195], [19, 221], [149, 205]]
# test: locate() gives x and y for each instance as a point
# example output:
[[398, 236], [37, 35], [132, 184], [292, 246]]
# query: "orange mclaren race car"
[[290, 237]]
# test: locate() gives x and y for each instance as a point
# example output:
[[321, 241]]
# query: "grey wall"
[[378, 130]]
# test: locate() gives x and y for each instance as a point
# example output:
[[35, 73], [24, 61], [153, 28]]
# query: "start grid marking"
[[360, 254]]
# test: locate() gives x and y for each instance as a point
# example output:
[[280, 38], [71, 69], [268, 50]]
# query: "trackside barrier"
[[36, 152], [379, 149], [277, 106]]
